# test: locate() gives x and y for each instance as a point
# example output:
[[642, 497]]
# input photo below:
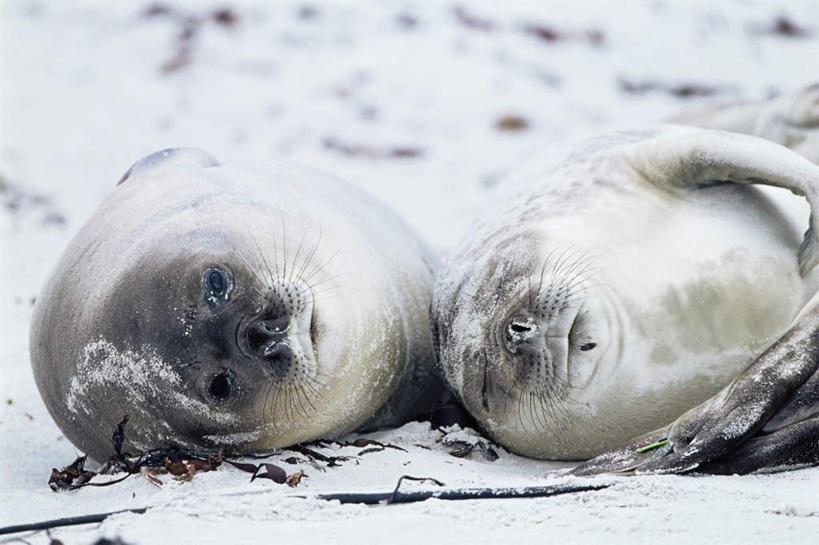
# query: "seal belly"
[[731, 289]]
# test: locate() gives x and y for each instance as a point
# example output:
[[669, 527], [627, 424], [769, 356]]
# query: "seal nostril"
[[280, 354], [220, 385], [263, 334], [520, 334], [519, 328]]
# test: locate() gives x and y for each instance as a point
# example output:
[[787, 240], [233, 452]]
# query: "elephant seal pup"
[[226, 306], [617, 282]]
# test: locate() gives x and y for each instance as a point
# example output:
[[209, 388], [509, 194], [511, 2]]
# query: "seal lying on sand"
[[618, 282], [227, 306]]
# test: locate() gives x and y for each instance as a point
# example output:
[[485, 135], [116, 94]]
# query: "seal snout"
[[521, 333], [536, 345]]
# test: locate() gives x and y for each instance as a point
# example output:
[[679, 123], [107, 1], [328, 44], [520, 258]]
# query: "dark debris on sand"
[[184, 464], [679, 90], [20, 201]]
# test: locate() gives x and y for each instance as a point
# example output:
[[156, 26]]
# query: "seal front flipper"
[[690, 159], [767, 417], [637, 452]]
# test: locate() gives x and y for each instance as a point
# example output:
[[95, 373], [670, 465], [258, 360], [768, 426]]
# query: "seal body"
[[621, 280], [229, 306]]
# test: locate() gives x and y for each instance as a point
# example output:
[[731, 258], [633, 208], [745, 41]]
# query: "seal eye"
[[217, 282], [220, 386], [588, 346], [217, 285]]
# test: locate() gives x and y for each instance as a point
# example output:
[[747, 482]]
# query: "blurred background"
[[425, 104]]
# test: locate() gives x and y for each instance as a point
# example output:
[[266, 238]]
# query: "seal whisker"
[[310, 393], [227, 242], [284, 249], [253, 268], [298, 408], [269, 403], [533, 416], [566, 270], [266, 399], [310, 256], [543, 270], [304, 392], [529, 290], [544, 411], [264, 260], [325, 290], [284, 395], [296, 256], [320, 268], [557, 265], [520, 412], [325, 280]]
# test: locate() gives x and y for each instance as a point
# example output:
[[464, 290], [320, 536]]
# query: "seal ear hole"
[[221, 386]]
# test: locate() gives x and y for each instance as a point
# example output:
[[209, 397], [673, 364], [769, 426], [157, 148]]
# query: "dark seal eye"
[[588, 346], [217, 285], [221, 386], [217, 282]]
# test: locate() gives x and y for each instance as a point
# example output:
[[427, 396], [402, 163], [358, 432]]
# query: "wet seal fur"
[[636, 281], [228, 306]]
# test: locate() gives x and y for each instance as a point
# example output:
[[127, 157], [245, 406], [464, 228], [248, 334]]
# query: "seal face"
[[619, 281], [229, 306]]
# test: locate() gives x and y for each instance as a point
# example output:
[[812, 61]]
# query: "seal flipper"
[[791, 120], [790, 437], [177, 156], [767, 417], [637, 452], [684, 158], [795, 445]]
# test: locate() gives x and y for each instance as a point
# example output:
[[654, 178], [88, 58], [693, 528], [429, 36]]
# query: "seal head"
[[236, 307]]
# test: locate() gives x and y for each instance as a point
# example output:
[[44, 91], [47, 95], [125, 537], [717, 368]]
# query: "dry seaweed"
[[181, 464], [71, 476], [294, 479], [270, 471], [313, 456]]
